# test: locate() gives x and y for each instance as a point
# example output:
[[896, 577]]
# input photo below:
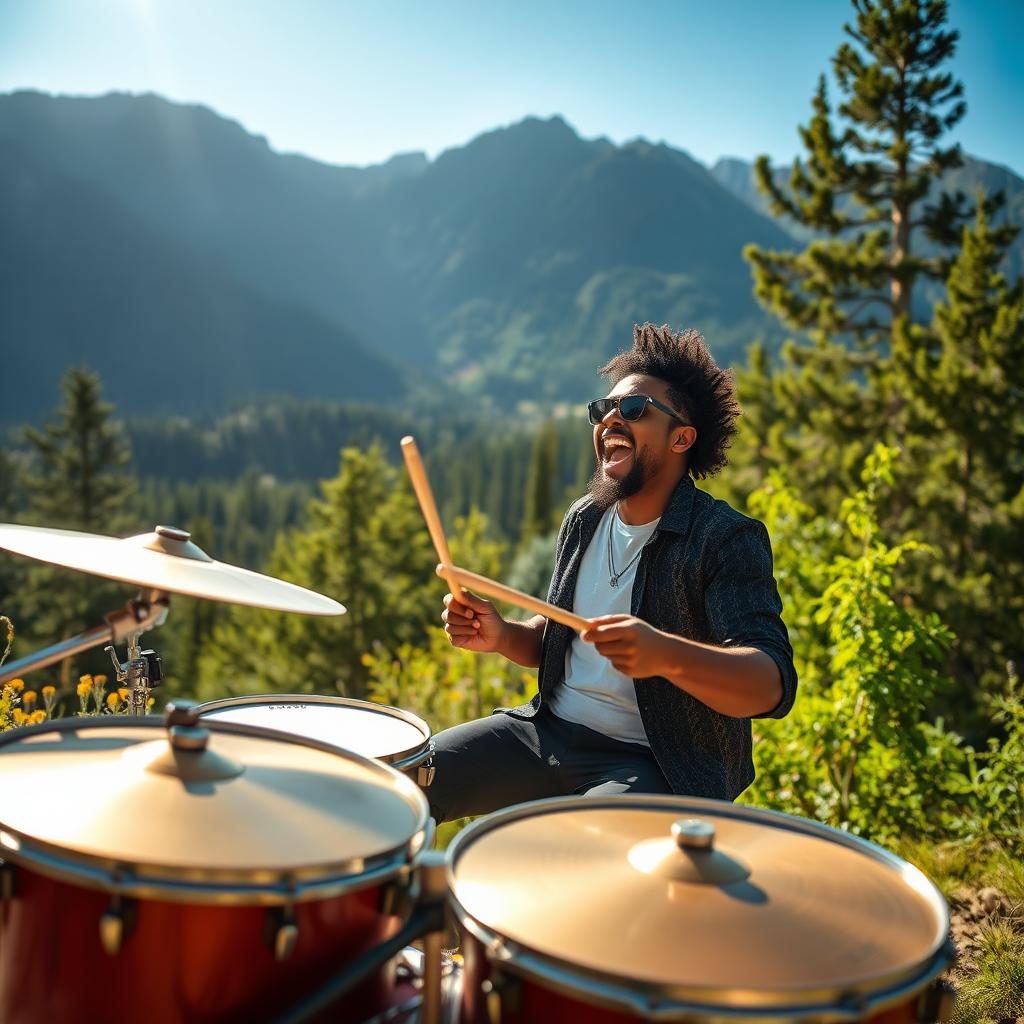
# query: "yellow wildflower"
[[87, 679], [84, 688], [16, 684], [29, 697], [48, 692], [19, 716], [101, 680], [124, 693], [112, 701], [36, 717]]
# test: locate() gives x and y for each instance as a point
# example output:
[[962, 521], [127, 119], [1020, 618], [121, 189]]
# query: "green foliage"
[[365, 544], [947, 394], [962, 483], [531, 569], [445, 685], [995, 991], [77, 478], [8, 637], [855, 752], [997, 773], [539, 513]]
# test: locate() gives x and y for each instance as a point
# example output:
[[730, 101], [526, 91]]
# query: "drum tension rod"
[[8, 875], [281, 931], [426, 920], [116, 924], [503, 995]]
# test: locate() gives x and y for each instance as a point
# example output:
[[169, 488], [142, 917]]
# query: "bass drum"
[[396, 737], [198, 872], [677, 909]]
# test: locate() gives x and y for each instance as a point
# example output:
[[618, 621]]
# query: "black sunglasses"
[[631, 408]]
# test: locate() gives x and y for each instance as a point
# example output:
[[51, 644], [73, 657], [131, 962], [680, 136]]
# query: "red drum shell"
[[531, 1002], [179, 961]]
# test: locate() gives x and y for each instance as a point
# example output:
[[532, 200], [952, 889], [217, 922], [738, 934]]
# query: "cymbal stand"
[[142, 671], [149, 609]]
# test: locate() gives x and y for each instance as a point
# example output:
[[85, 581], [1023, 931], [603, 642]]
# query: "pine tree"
[[542, 484], [964, 457], [78, 480], [866, 185]]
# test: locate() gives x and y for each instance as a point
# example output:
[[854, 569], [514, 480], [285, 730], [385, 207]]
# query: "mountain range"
[[195, 268]]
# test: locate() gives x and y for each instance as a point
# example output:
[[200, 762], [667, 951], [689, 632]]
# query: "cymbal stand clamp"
[[143, 670], [140, 673]]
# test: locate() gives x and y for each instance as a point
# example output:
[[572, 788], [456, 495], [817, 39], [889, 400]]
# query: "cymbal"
[[189, 807], [696, 899], [165, 559]]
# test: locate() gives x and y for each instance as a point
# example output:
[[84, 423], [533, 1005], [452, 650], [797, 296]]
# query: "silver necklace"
[[613, 576]]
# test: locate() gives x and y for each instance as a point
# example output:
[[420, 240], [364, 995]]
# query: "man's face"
[[632, 453]]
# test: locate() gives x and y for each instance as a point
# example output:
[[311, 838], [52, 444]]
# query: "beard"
[[606, 491]]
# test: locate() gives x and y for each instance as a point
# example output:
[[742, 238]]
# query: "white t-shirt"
[[595, 693]]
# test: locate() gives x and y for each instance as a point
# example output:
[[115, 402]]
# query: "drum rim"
[[231, 887], [654, 1000], [402, 760]]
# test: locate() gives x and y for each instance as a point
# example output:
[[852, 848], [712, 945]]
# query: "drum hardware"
[[427, 922], [937, 1002], [8, 877], [426, 771], [281, 931], [503, 995], [117, 924], [137, 616], [142, 672]]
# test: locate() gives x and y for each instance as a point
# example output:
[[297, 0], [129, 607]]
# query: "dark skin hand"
[[476, 626], [736, 681]]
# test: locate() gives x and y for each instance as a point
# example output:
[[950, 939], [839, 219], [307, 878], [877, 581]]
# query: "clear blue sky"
[[356, 82]]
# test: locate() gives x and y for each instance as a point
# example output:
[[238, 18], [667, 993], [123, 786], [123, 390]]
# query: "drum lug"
[[397, 898], [503, 994], [425, 772], [282, 932], [116, 924], [935, 1005], [7, 880]]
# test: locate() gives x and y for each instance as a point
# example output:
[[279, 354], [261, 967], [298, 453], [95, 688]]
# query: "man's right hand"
[[473, 623]]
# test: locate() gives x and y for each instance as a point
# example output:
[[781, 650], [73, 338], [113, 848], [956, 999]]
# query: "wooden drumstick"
[[421, 485], [502, 593]]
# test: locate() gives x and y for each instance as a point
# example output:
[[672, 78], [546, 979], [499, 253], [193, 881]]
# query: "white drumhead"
[[364, 728]]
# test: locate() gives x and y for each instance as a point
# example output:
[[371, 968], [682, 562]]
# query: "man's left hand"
[[631, 645]]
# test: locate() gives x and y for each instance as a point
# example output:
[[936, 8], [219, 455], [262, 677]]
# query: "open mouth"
[[616, 450]]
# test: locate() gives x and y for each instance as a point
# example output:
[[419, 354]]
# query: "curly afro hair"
[[697, 387]]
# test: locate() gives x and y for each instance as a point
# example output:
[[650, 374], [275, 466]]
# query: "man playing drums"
[[687, 642]]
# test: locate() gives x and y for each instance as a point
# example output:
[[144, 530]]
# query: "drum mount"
[[141, 672], [142, 669]]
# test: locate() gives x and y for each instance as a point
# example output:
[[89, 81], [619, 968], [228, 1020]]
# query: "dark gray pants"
[[502, 760]]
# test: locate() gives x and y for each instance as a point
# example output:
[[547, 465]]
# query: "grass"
[[984, 883]]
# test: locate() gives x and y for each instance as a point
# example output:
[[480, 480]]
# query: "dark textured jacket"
[[705, 574]]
